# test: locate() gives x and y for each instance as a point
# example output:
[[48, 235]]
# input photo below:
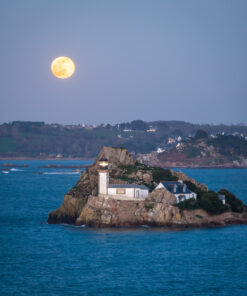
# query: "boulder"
[[162, 195]]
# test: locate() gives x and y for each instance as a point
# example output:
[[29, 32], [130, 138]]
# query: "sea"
[[41, 259]]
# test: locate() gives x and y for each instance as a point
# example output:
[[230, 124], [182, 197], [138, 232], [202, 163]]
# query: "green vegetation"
[[189, 204], [149, 205], [210, 202], [127, 179], [201, 134], [157, 174], [235, 203], [139, 125], [160, 174], [230, 145], [192, 152], [227, 145], [6, 145]]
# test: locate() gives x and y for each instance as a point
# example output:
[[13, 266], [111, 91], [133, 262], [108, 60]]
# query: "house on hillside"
[[178, 188], [118, 191]]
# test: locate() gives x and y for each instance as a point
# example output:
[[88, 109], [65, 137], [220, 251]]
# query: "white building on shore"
[[179, 189], [118, 191]]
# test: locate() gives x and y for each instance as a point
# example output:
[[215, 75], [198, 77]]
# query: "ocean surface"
[[41, 259]]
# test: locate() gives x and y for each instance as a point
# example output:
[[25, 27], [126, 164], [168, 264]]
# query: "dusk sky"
[[150, 60]]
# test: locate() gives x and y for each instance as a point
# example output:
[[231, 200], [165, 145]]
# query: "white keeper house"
[[118, 191]]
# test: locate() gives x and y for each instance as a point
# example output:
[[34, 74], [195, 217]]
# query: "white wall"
[[141, 193], [103, 182], [130, 193]]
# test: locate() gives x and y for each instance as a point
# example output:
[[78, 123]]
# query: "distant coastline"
[[93, 159], [170, 139]]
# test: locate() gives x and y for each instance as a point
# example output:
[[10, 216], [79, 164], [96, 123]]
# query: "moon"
[[63, 67]]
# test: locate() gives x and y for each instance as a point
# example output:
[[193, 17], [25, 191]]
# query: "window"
[[121, 191]]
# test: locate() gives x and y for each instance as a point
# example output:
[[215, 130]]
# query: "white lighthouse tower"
[[103, 176]]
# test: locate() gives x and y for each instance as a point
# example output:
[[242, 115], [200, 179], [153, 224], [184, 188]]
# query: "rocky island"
[[87, 203]]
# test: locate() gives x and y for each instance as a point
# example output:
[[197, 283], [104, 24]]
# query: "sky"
[[150, 60]]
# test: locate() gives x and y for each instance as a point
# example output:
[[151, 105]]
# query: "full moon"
[[63, 67]]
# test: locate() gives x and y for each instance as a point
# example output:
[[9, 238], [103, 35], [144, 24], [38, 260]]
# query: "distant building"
[[54, 125], [178, 188], [160, 150], [171, 141], [127, 130], [118, 191], [222, 198]]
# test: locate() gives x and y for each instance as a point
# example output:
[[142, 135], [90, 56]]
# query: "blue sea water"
[[41, 259]]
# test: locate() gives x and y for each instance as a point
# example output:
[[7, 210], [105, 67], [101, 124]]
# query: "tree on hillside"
[[139, 125], [201, 134]]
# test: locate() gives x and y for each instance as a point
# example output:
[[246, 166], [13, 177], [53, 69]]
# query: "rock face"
[[116, 156], [82, 206], [157, 210], [77, 197]]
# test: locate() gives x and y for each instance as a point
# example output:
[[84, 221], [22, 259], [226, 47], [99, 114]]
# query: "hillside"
[[83, 206], [40, 140], [205, 151]]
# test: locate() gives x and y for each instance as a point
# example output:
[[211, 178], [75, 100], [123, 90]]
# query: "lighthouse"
[[103, 176]]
